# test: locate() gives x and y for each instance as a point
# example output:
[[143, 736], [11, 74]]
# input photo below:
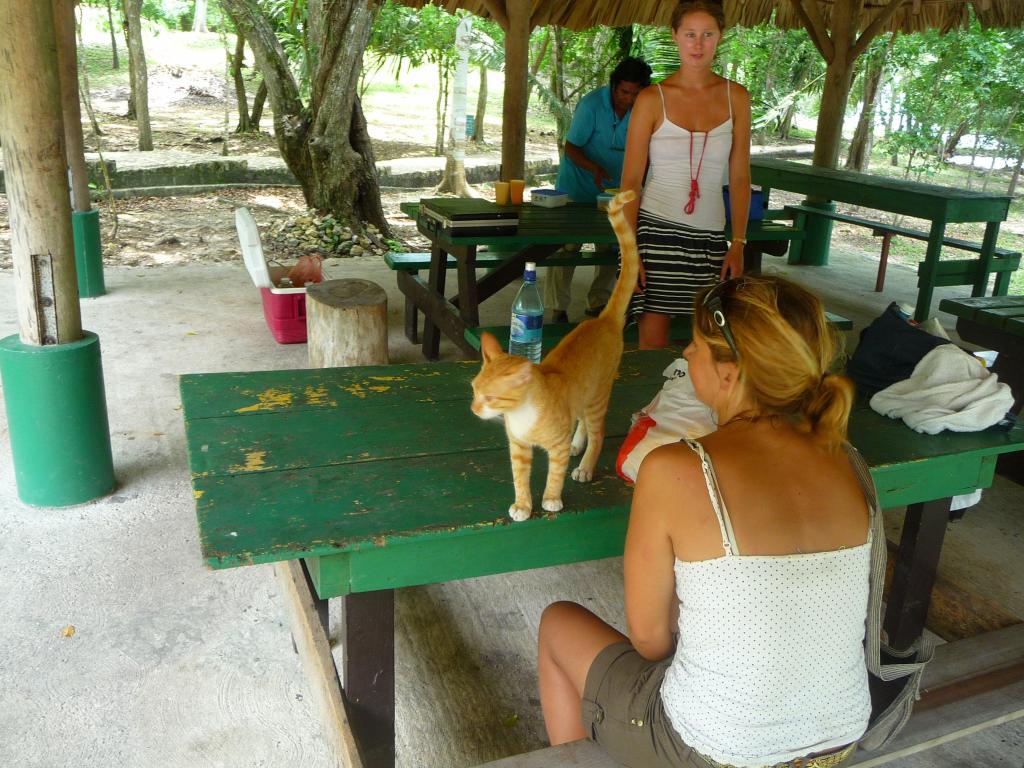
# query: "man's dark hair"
[[632, 70]]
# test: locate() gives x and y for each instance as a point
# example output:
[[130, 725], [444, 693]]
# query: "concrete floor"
[[176, 665]]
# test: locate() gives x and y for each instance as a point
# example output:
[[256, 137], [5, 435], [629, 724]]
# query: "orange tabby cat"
[[569, 388]]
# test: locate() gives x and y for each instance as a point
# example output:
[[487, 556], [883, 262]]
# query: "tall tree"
[[199, 17], [139, 74], [324, 142], [454, 179], [237, 62], [114, 63], [863, 135]]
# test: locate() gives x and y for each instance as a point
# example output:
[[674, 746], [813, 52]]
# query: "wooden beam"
[[875, 28], [32, 132], [816, 28], [496, 9], [318, 664]]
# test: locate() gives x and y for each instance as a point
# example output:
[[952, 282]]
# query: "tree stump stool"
[[347, 323]]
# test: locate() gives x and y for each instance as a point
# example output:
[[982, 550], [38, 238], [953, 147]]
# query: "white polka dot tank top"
[[770, 661]]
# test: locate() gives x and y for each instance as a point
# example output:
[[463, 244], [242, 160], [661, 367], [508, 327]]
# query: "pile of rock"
[[309, 233]]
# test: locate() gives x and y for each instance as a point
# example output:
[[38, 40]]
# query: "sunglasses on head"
[[713, 304]]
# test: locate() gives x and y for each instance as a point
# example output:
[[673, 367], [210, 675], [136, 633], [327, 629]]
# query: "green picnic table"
[[997, 323], [378, 478], [541, 231], [939, 205]]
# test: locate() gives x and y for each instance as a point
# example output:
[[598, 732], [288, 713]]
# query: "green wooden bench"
[[956, 272], [413, 263], [679, 331]]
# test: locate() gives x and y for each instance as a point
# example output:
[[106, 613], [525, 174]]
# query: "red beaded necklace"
[[694, 183]]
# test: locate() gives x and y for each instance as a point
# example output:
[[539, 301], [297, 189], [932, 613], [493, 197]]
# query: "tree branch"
[[816, 29], [497, 10], [875, 27]]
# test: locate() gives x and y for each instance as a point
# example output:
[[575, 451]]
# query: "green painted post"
[[57, 419], [85, 226], [813, 249]]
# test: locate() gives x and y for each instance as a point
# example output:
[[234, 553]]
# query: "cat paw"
[[519, 513], [577, 447], [552, 505], [582, 475]]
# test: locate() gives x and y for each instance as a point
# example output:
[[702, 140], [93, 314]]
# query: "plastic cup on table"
[[501, 192], [516, 187]]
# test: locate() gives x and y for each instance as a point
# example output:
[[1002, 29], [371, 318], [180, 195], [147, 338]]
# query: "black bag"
[[888, 351], [893, 677]]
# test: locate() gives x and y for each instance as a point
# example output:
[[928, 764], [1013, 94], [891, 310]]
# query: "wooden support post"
[[347, 323], [517, 55], [314, 651], [32, 132], [924, 528], [883, 261]]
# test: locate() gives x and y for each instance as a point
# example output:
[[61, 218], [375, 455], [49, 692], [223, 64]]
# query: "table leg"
[[468, 301], [435, 284], [368, 673], [988, 249], [930, 270], [917, 559]]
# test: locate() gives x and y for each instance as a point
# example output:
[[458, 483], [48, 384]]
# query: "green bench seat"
[[957, 272], [552, 333]]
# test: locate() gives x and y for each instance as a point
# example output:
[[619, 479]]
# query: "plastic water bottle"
[[527, 318]]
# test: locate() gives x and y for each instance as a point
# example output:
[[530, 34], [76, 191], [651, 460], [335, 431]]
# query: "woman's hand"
[[641, 280], [733, 264]]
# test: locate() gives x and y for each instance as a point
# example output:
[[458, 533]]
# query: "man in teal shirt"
[[594, 150]]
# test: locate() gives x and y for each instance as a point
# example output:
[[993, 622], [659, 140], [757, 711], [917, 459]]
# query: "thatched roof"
[[914, 16]]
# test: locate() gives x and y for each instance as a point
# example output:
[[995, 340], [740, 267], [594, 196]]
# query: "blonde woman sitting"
[[752, 544]]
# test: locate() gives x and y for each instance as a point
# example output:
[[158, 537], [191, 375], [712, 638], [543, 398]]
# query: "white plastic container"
[[548, 198]]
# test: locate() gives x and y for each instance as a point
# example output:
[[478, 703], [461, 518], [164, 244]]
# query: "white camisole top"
[[668, 178], [770, 660]]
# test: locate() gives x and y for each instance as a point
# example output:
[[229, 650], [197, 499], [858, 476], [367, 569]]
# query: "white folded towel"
[[949, 389]]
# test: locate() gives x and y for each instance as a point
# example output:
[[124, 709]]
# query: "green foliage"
[[408, 37], [289, 20]]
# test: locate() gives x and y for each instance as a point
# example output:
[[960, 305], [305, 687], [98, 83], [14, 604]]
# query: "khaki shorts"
[[622, 711]]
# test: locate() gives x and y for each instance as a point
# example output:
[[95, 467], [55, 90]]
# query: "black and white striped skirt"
[[678, 260]]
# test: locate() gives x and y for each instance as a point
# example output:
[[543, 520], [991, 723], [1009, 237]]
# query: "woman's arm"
[[649, 560], [739, 181], [638, 139]]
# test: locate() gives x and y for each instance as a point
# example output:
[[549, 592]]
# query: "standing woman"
[[746, 564], [693, 129]]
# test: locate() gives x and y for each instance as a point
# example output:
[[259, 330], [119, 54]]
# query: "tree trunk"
[[949, 147], [67, 66], [32, 131], [481, 107], [240, 95], [199, 17], [563, 119], [326, 146], [442, 90], [454, 179], [137, 56], [513, 108], [860, 147], [538, 59], [130, 114], [114, 63], [1012, 190], [257, 107]]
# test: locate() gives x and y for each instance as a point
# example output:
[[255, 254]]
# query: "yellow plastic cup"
[[501, 192]]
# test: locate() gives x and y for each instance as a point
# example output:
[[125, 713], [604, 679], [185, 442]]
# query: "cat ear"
[[522, 373], [489, 347]]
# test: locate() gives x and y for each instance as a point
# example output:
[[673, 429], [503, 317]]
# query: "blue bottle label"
[[527, 328]]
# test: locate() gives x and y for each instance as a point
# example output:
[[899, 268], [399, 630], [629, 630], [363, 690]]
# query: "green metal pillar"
[[813, 249], [85, 225], [57, 419]]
